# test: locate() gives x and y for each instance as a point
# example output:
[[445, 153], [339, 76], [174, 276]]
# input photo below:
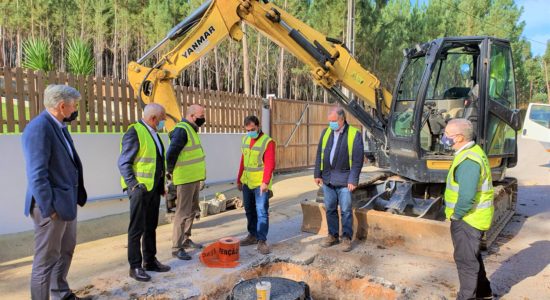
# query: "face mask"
[[160, 126], [333, 125], [72, 117], [447, 141], [200, 121], [253, 134]]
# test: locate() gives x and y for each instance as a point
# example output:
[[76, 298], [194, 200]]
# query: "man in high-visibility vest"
[[141, 164], [337, 168], [469, 205], [186, 167], [254, 180]]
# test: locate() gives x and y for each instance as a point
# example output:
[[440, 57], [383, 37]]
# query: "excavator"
[[400, 203]]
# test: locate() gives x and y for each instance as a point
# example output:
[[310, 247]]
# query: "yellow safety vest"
[[191, 164], [145, 162], [253, 161], [481, 214], [352, 131]]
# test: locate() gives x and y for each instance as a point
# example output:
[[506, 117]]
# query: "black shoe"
[[73, 296], [189, 244], [181, 254], [139, 274], [156, 266]]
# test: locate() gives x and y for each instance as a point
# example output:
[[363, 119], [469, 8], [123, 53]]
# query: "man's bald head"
[[194, 110], [153, 110]]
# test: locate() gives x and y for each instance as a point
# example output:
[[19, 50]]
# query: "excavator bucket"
[[426, 234]]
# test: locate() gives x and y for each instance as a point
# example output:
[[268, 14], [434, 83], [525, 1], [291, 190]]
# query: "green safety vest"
[[352, 131], [481, 214], [191, 164], [145, 162], [253, 161]]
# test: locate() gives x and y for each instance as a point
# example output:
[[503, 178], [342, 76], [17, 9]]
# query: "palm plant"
[[80, 59], [37, 55]]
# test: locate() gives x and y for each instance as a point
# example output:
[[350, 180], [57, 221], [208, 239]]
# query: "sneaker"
[[263, 248], [329, 241], [189, 244], [249, 240], [346, 243]]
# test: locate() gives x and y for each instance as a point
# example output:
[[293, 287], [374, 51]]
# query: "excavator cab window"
[[452, 93], [407, 93], [501, 138]]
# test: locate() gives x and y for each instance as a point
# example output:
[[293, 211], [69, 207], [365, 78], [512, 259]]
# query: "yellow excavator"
[[399, 204]]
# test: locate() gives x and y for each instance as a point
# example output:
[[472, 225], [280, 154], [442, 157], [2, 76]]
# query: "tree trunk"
[[267, 85], [217, 69], [281, 72], [547, 82], [3, 50], [530, 90], [257, 69], [19, 54], [246, 63], [201, 73]]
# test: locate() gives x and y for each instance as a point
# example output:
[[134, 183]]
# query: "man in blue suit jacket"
[[55, 187]]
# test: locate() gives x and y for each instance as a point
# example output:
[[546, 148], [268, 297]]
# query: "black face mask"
[[72, 117], [200, 121]]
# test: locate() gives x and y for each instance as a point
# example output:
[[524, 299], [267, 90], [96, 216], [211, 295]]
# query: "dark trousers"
[[144, 217], [256, 206], [54, 243], [467, 256]]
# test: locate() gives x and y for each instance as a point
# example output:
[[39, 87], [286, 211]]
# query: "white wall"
[[99, 154]]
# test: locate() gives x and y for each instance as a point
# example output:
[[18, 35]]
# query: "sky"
[[536, 14]]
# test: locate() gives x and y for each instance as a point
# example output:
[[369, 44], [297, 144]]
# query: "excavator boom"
[[329, 61]]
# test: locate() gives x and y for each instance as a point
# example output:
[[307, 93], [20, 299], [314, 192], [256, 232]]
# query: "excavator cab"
[[448, 78]]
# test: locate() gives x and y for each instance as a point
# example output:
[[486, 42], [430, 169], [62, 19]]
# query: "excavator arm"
[[329, 61]]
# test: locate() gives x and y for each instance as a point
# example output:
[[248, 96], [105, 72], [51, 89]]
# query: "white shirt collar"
[[468, 145], [149, 127], [61, 125]]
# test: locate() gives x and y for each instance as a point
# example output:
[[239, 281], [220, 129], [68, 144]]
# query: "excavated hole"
[[323, 283]]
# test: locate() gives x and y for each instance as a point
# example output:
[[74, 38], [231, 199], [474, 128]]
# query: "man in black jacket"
[[141, 164], [337, 168]]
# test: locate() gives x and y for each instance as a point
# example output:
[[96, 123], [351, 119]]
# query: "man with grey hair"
[[337, 168], [469, 205], [141, 164], [186, 167], [55, 185]]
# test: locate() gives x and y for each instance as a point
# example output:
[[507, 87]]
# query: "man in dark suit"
[[141, 164], [55, 187]]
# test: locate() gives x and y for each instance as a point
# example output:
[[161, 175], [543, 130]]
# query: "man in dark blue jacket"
[[337, 168], [55, 187]]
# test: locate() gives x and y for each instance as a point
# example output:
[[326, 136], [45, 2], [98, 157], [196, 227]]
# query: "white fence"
[[99, 154]]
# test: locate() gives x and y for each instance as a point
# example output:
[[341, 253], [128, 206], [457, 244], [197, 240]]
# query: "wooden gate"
[[296, 126]]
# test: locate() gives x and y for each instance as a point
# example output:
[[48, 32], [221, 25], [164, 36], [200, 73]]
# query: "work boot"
[[329, 241], [189, 244], [249, 240], [346, 243], [263, 248]]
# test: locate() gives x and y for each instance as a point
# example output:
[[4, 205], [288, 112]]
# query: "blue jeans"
[[333, 197], [256, 207]]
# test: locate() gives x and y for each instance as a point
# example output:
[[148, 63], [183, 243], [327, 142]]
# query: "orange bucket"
[[222, 254]]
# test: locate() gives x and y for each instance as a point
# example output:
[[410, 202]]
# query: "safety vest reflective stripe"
[[189, 162], [144, 175], [351, 137], [486, 204], [485, 187], [144, 160]]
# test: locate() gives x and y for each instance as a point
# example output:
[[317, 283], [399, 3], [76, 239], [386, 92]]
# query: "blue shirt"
[[62, 126]]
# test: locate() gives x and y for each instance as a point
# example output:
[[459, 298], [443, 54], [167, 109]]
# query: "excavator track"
[[426, 234]]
